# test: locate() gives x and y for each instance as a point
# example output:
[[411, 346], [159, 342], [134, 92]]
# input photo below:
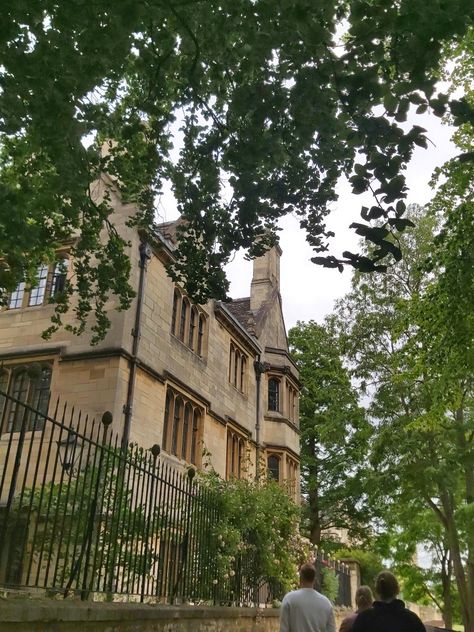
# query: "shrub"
[[258, 522]]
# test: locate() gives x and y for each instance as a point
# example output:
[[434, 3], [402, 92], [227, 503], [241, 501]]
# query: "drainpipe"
[[145, 256], [259, 368]]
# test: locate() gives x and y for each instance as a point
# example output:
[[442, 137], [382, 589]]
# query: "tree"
[[370, 563], [428, 584], [397, 327], [273, 107], [334, 434]]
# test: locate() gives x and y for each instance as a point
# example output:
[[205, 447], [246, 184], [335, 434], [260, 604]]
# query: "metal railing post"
[[87, 541], [155, 451]]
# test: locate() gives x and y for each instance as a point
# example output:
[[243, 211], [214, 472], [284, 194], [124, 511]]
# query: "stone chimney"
[[266, 277]]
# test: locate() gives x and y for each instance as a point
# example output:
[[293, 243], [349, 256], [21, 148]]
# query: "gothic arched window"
[[274, 394], [187, 322], [182, 322], [273, 464], [192, 327], [181, 427]]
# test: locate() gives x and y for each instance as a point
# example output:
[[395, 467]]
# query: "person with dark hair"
[[306, 610], [388, 614], [364, 600]]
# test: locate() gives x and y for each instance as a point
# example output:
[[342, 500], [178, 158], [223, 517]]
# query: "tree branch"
[[439, 514]]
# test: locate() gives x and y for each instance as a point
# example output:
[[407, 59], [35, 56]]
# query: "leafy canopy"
[[273, 106], [407, 337], [334, 435]]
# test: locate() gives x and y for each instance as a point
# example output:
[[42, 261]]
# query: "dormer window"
[[274, 394], [17, 296], [59, 277]]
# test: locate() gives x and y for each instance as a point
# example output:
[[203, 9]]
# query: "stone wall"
[[54, 616], [48, 615]]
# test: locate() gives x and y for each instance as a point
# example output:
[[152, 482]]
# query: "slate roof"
[[240, 309]]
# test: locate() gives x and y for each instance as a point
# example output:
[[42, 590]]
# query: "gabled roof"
[[168, 229], [240, 309], [251, 322]]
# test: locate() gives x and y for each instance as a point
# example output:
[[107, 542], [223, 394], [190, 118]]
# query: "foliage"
[[258, 522], [421, 398], [370, 563], [273, 105], [334, 435], [329, 583], [412, 540]]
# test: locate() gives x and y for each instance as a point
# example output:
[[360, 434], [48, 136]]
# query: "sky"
[[309, 291]]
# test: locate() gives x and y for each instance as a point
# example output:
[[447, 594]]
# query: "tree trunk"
[[468, 469], [446, 571], [314, 518], [313, 497], [456, 557]]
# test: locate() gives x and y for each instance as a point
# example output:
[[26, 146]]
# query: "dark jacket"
[[388, 617]]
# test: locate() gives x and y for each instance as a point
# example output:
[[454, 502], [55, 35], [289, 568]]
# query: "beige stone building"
[[216, 377]]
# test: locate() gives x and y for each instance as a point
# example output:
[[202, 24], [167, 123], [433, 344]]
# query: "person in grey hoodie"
[[306, 610], [389, 613]]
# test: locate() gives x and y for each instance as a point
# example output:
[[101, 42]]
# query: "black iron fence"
[[78, 514], [326, 565]]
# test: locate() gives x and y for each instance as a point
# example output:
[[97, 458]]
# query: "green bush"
[[370, 564], [329, 583], [258, 521]]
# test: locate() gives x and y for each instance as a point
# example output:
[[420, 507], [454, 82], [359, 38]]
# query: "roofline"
[[220, 308], [284, 352], [158, 241]]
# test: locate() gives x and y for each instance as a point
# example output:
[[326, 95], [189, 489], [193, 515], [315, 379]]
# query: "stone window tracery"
[[182, 427], [274, 394], [291, 476], [37, 293], [188, 323], [29, 384], [274, 466], [50, 280], [238, 362], [291, 402], [236, 443]]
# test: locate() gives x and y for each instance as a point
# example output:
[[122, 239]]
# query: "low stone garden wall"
[[50, 615]]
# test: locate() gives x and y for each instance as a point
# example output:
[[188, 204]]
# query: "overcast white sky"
[[309, 291]]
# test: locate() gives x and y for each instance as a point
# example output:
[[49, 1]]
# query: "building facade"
[[210, 381]]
